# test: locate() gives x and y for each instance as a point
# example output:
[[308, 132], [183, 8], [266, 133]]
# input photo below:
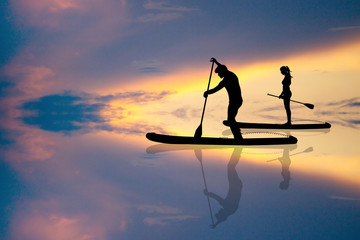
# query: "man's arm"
[[215, 89], [215, 61], [219, 199]]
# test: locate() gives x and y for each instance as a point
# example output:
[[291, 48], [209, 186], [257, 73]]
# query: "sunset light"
[[119, 119]]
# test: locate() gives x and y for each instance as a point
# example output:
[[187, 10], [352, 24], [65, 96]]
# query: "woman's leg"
[[287, 109]]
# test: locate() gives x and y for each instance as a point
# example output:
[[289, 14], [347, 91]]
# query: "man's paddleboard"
[[161, 138], [279, 126]]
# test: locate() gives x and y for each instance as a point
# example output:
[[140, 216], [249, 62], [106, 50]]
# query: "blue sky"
[[80, 39]]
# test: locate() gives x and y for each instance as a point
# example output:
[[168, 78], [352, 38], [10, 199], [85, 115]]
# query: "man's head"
[[221, 70]]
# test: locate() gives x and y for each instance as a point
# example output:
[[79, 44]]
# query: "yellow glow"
[[323, 70], [330, 73], [339, 58], [317, 76], [256, 80]]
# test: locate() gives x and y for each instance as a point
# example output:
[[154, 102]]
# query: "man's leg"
[[232, 111], [236, 132]]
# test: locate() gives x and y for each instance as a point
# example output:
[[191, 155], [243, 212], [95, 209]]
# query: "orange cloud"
[[57, 13], [44, 12], [30, 79], [47, 220], [30, 146]]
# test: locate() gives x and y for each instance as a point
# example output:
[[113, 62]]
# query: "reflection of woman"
[[230, 203], [285, 172], [286, 93]]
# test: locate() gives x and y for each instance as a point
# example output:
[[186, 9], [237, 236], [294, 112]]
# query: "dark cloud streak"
[[135, 97], [70, 112]]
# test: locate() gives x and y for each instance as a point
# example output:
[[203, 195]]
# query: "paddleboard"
[[280, 126], [170, 139]]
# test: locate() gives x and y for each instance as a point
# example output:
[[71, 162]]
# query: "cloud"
[[149, 70], [158, 209], [69, 112], [180, 113], [61, 113], [352, 102], [135, 96], [29, 79], [85, 209], [58, 14], [172, 214], [131, 128], [344, 28], [344, 112], [355, 121], [163, 6], [147, 66], [164, 12], [167, 219], [160, 17], [29, 145], [344, 198]]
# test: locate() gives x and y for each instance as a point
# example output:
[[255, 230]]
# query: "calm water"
[[70, 177]]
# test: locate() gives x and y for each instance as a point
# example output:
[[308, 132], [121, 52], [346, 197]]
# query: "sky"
[[112, 53], [82, 81], [88, 45]]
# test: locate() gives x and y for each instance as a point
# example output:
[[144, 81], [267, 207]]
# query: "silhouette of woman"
[[286, 93]]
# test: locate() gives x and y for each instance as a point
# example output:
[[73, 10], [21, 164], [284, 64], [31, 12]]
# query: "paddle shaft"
[[198, 154], [208, 199], [290, 99], [203, 112], [309, 149]]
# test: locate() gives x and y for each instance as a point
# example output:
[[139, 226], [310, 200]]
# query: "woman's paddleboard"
[[279, 126]]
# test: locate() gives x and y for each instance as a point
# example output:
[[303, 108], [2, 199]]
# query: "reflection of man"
[[231, 202], [285, 172]]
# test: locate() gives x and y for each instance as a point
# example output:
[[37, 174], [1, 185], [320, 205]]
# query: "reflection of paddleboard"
[[161, 147], [279, 126], [219, 141]]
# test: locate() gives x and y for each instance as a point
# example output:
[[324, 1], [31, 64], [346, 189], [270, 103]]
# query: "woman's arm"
[[281, 94]]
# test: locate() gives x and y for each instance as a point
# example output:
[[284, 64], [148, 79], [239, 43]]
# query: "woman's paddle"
[[309, 105], [198, 132], [309, 149]]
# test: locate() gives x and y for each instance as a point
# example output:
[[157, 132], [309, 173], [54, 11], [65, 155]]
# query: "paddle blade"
[[309, 149], [198, 132], [311, 106], [198, 154]]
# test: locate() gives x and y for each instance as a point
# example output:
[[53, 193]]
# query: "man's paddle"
[[198, 132], [198, 154], [309, 105]]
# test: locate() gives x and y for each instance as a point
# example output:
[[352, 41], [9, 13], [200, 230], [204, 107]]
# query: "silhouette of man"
[[230, 203], [232, 86]]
